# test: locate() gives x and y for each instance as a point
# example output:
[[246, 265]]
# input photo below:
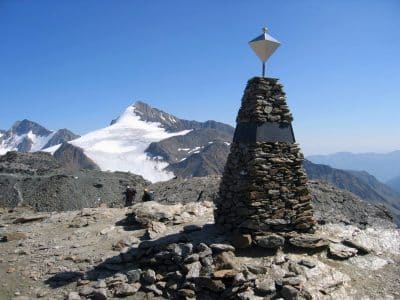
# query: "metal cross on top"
[[264, 45]]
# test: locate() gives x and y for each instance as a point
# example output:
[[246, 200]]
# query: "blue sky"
[[78, 64]]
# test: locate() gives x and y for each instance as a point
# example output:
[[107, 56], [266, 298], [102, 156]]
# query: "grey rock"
[[73, 296], [249, 275], [265, 287], [207, 261], [86, 291], [193, 270], [289, 292], [187, 249], [117, 279], [291, 281], [306, 241], [295, 268], [134, 275], [203, 250], [361, 248], [100, 294], [256, 269], [279, 259], [124, 290], [149, 276], [101, 283], [239, 279], [271, 241], [339, 251], [248, 295], [307, 263], [191, 258], [222, 247]]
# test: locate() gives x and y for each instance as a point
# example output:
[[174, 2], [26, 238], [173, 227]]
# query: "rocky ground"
[[159, 251], [41, 181]]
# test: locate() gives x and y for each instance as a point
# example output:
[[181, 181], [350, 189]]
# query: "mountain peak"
[[25, 126], [151, 114], [29, 136]]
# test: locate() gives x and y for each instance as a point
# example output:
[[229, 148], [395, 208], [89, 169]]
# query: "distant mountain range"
[[394, 183], [28, 136], [157, 145], [360, 183], [384, 166]]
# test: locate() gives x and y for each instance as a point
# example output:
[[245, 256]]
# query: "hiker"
[[147, 195], [130, 194]]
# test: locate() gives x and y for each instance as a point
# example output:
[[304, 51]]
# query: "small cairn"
[[264, 187]]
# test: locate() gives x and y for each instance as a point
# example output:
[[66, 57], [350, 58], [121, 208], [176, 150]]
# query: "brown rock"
[[225, 273], [226, 260], [27, 219], [241, 241]]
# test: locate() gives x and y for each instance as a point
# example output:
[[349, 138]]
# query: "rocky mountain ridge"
[[172, 123], [44, 183], [384, 166], [28, 136], [201, 150]]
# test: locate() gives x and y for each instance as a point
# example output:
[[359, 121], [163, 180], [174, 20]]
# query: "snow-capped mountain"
[[135, 142], [28, 136], [122, 145], [143, 140]]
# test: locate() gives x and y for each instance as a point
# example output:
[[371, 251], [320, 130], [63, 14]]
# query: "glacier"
[[121, 146], [11, 143]]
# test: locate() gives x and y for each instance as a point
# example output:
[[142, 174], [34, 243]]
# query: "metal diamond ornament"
[[264, 46]]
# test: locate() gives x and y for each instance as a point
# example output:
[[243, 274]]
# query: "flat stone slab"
[[361, 249], [27, 219], [339, 251], [308, 241]]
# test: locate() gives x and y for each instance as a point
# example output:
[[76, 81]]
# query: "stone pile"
[[264, 186], [186, 270], [264, 101], [182, 266]]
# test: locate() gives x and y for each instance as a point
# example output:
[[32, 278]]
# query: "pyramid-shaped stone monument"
[[264, 186]]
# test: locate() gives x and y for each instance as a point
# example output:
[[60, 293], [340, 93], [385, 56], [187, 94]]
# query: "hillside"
[[361, 184], [40, 181], [394, 184]]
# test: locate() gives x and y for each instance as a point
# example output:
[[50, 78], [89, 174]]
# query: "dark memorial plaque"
[[251, 132]]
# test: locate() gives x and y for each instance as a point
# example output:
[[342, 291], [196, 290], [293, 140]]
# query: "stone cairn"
[[264, 186]]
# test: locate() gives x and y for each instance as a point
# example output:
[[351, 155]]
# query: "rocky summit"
[[156, 250]]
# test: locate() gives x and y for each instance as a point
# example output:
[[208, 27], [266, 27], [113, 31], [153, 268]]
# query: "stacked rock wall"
[[264, 185]]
